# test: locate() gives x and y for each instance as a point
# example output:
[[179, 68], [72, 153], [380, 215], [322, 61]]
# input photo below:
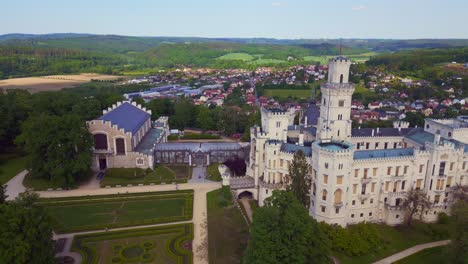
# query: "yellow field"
[[53, 82]]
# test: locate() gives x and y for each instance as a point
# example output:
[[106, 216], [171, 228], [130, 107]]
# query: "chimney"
[[378, 131], [437, 139], [305, 121], [285, 136], [372, 132], [301, 139]]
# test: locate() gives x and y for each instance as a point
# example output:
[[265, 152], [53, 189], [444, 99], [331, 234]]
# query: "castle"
[[358, 174]]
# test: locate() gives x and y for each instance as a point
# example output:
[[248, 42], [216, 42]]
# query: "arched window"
[[100, 141], [314, 188], [337, 196], [120, 146], [449, 134], [341, 78], [324, 195]]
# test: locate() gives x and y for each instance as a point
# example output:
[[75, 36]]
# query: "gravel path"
[[410, 251], [15, 186]]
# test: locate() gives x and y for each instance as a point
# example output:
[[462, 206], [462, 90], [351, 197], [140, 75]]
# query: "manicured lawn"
[[436, 255], [227, 231], [267, 61], [285, 93], [213, 172], [99, 212], [10, 165], [396, 239], [161, 174], [164, 244]]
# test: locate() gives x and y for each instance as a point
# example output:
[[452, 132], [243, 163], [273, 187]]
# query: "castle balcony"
[[364, 196], [393, 207], [271, 185], [442, 176], [397, 194], [366, 180], [338, 204], [439, 191], [398, 177], [103, 151]]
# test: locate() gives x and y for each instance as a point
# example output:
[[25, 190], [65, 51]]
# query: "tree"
[[183, 114], [3, 195], [25, 232], [59, 148], [204, 118], [415, 200], [459, 233], [300, 180], [283, 232], [460, 193]]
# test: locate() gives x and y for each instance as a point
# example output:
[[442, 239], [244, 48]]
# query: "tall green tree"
[[3, 195], [300, 180], [283, 232], [183, 114], [459, 233], [59, 148], [25, 232], [204, 118]]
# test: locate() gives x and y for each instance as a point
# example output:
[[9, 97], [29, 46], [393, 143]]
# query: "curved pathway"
[[410, 251], [15, 185]]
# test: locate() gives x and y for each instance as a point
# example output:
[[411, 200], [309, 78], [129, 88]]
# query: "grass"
[[227, 231], [436, 255], [237, 56], [213, 172], [399, 238], [267, 61], [41, 184], [10, 165], [91, 213], [323, 60], [164, 244], [285, 93], [134, 176]]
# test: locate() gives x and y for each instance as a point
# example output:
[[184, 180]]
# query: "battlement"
[[114, 106]]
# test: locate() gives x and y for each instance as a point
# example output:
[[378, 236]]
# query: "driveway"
[[15, 186]]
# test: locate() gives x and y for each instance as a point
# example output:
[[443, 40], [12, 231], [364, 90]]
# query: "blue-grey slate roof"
[[313, 113], [421, 137], [292, 148], [126, 116], [383, 132], [383, 153]]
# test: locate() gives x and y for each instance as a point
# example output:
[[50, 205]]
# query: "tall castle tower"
[[335, 112]]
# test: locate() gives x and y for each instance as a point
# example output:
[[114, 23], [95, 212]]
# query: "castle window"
[[418, 184], [356, 173], [340, 166], [326, 165], [449, 181], [341, 103], [403, 185], [386, 145], [325, 179], [397, 216], [449, 134], [452, 164], [374, 172], [337, 210], [352, 215], [387, 185], [324, 101], [100, 141], [354, 188], [353, 202], [341, 78], [339, 179], [337, 196], [278, 124], [442, 168], [373, 187], [405, 170], [323, 209], [338, 133], [371, 201], [361, 215], [421, 168], [324, 195], [427, 126], [120, 146], [365, 172], [389, 170], [370, 214], [314, 188], [140, 161]]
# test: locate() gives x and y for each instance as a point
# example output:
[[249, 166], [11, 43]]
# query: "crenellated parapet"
[[114, 106]]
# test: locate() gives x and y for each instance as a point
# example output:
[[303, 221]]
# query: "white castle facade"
[[358, 174]]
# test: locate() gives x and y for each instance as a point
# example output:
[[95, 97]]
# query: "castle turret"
[[335, 111]]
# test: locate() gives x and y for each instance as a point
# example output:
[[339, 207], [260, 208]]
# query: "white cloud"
[[279, 4], [359, 8]]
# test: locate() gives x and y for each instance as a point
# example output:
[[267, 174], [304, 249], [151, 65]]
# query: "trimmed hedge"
[[182, 232], [199, 136]]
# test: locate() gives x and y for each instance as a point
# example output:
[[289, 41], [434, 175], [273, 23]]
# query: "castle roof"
[[126, 116], [312, 113], [292, 148], [383, 132], [383, 153]]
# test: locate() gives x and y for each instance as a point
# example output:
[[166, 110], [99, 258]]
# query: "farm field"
[[163, 245], [355, 57], [110, 211], [237, 56], [285, 93], [53, 82]]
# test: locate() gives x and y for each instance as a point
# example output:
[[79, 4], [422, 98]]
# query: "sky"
[[291, 19]]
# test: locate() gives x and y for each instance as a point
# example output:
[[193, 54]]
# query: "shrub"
[[126, 173], [443, 218]]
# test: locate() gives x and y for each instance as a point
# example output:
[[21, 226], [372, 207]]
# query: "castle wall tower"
[[276, 121], [335, 110]]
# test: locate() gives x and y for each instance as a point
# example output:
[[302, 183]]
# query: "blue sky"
[[241, 18]]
